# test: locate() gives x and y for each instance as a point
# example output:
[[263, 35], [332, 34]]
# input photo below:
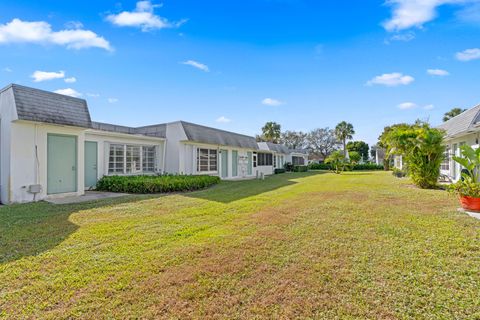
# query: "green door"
[[249, 164], [234, 163], [61, 164], [224, 154], [90, 164]]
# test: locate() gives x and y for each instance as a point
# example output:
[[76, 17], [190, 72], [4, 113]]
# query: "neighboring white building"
[[49, 148], [460, 130]]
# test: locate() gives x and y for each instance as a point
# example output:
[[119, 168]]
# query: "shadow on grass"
[[229, 191], [33, 228]]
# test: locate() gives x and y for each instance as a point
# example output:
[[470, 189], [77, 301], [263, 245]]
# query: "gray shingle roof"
[[303, 151], [461, 123], [280, 148], [156, 131], [48, 107], [209, 135]]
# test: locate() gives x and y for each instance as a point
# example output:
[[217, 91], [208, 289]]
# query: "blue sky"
[[238, 64]]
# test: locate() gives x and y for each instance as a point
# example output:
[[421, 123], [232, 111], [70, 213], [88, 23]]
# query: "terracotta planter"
[[469, 203]]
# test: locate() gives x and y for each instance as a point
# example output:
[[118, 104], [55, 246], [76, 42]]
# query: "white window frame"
[[209, 160], [125, 146]]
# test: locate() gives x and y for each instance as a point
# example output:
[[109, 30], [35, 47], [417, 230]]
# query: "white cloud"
[[272, 102], [112, 100], [429, 107], [93, 95], [391, 79], [197, 65], [39, 76], [407, 105], [40, 32], [469, 54], [69, 92], [405, 37], [223, 119], [414, 13], [70, 80], [7, 69], [438, 72], [142, 17]]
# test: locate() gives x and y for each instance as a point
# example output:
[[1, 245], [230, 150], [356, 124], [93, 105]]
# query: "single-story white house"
[[50, 147], [459, 130]]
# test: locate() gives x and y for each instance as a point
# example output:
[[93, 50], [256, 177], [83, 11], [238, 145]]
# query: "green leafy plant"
[[355, 157], [155, 184], [279, 170], [422, 149], [300, 168], [337, 161], [399, 173], [469, 184]]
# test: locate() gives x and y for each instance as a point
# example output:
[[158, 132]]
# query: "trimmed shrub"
[[319, 166], [288, 167], [367, 167], [399, 173], [155, 184], [299, 168], [357, 167], [279, 170]]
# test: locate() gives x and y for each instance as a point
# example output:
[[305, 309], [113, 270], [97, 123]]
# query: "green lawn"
[[306, 245]]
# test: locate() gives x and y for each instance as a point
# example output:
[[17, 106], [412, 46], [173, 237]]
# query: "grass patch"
[[297, 245]]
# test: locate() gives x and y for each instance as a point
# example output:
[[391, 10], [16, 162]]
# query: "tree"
[[422, 149], [358, 146], [383, 142], [322, 141], [293, 139], [452, 113], [271, 132], [354, 156], [337, 161], [344, 131]]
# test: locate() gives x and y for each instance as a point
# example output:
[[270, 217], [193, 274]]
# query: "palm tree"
[[344, 131], [271, 132], [452, 113]]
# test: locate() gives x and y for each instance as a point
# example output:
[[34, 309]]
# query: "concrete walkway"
[[88, 196], [472, 214]]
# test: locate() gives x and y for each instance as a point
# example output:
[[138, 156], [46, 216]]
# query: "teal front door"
[[61, 164], [224, 154], [249, 163], [90, 164]]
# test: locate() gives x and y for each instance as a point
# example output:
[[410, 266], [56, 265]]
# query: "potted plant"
[[468, 187]]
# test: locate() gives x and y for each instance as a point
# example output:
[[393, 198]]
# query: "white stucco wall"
[[28, 156], [104, 139], [8, 113], [175, 134], [189, 154], [470, 139]]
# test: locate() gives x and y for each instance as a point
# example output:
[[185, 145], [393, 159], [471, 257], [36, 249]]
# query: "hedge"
[[279, 170], [155, 184], [298, 168], [357, 167]]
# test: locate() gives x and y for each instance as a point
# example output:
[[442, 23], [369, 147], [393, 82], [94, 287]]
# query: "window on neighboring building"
[[207, 160], [255, 159], [265, 159], [131, 159], [274, 161], [298, 161], [446, 160]]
